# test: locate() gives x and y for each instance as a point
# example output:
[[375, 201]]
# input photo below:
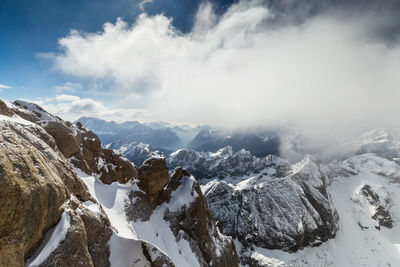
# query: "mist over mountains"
[[167, 137]]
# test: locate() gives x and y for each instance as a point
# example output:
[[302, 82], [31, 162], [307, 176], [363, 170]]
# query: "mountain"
[[341, 213], [259, 144], [132, 131], [167, 137], [66, 201], [69, 201]]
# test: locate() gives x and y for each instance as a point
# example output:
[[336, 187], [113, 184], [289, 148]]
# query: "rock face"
[[224, 163], [35, 182], [49, 218], [82, 146], [281, 210], [181, 204], [47, 215]]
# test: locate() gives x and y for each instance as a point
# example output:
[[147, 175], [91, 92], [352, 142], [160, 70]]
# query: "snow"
[[157, 231], [92, 206], [125, 251], [125, 245], [113, 199], [181, 196], [57, 236], [16, 119], [352, 245], [44, 116]]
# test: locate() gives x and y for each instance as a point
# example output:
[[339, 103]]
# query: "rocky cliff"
[[65, 201]]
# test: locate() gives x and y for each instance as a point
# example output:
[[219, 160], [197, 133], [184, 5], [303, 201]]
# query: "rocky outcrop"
[[381, 212], [285, 211], [153, 175], [47, 216], [4, 110], [178, 200], [80, 145], [35, 182]]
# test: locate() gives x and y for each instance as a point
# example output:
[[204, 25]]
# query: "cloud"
[[68, 87], [326, 75], [72, 107], [3, 86]]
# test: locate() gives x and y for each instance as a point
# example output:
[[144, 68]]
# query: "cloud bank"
[[326, 75], [72, 107]]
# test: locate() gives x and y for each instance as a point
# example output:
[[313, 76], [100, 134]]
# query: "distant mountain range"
[[167, 137]]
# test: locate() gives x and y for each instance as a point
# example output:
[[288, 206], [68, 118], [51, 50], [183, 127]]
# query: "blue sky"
[[28, 28]]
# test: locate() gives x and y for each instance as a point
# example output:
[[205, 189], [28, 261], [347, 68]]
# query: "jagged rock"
[[185, 209], [278, 212], [4, 110], [381, 214], [224, 163], [153, 175], [82, 146], [115, 168]]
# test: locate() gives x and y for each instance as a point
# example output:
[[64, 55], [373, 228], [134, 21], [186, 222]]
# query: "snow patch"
[[56, 237]]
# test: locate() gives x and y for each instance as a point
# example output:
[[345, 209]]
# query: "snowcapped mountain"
[[93, 207], [132, 131], [258, 143], [167, 137], [342, 213], [308, 213]]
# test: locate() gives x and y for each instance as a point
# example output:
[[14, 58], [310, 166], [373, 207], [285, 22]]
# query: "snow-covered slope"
[[267, 211], [367, 200]]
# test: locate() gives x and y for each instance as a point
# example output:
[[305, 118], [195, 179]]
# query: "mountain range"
[[167, 137], [68, 200]]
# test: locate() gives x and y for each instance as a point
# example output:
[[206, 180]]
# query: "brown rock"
[[91, 141], [98, 232], [32, 191], [153, 175], [64, 137], [116, 168], [4, 110]]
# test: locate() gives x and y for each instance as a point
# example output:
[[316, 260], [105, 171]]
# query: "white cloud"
[[236, 71], [71, 107], [68, 87], [3, 86]]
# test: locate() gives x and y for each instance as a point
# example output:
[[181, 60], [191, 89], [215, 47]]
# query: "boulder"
[[64, 137], [153, 175]]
